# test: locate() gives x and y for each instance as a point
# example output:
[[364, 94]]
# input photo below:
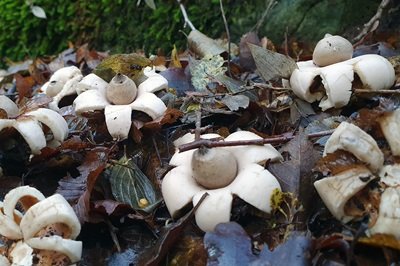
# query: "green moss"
[[123, 27]]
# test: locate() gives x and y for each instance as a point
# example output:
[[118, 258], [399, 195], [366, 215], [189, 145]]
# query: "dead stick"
[[228, 35], [370, 24], [212, 143], [185, 16], [380, 92]]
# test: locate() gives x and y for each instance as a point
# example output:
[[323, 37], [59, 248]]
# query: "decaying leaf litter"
[[114, 180]]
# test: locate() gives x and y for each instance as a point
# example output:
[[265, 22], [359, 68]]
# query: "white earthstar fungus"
[[335, 191], [388, 221], [47, 229], [29, 124], [62, 83], [332, 72], [351, 138], [239, 168], [120, 97], [390, 126]]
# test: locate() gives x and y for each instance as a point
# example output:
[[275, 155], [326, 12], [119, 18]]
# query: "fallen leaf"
[[129, 185], [178, 79], [272, 65], [24, 86], [229, 244], [170, 116], [78, 190], [246, 60], [234, 102], [294, 174], [155, 255], [111, 207], [175, 62]]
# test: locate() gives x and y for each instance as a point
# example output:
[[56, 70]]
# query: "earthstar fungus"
[[238, 167], [29, 124], [45, 231], [120, 97]]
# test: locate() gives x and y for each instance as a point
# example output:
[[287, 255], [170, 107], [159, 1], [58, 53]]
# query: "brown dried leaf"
[[24, 86], [270, 64], [245, 58], [78, 190], [334, 163], [111, 207], [381, 240], [170, 116]]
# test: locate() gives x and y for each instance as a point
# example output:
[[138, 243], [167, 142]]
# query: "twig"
[[320, 134], [380, 92], [185, 16], [270, 5], [197, 131], [228, 36], [212, 143], [373, 23]]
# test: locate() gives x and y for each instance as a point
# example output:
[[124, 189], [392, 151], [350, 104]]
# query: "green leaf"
[[131, 186], [38, 12]]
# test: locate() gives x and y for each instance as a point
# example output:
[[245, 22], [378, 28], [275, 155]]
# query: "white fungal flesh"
[[59, 78], [388, 221], [336, 190], [53, 120], [52, 210], [32, 132], [43, 214], [118, 120], [390, 175], [351, 138], [91, 82], [390, 125], [337, 71], [9, 106]]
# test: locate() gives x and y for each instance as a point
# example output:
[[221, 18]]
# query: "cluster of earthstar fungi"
[[338, 189], [44, 234], [49, 226]]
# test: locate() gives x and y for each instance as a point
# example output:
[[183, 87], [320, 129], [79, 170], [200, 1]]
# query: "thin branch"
[[185, 16], [373, 23], [270, 5], [228, 35], [380, 92], [212, 143]]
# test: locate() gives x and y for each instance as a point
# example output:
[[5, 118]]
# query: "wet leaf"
[[245, 58], [130, 186], [175, 62], [24, 86], [78, 190], [234, 102], [170, 116], [270, 64], [38, 12], [229, 244], [178, 79], [111, 207], [130, 65], [381, 240], [157, 253]]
